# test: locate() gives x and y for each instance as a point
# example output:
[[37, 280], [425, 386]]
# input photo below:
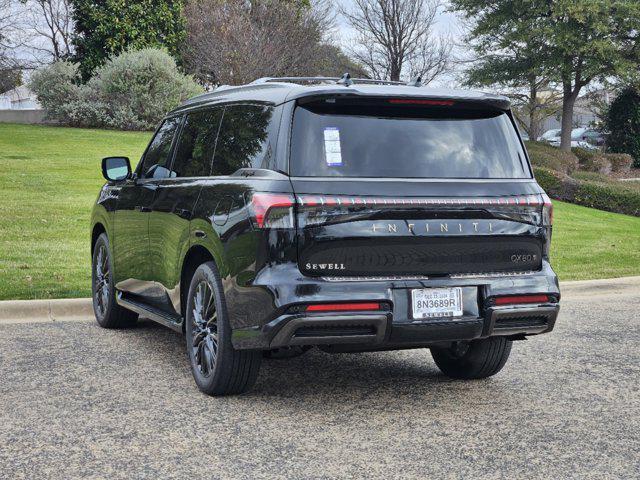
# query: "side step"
[[174, 322]]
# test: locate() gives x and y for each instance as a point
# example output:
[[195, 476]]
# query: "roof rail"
[[344, 80]]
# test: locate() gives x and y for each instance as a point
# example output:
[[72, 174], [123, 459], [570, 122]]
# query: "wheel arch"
[[97, 230], [195, 256]]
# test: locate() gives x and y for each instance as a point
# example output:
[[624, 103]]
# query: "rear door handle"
[[143, 209]]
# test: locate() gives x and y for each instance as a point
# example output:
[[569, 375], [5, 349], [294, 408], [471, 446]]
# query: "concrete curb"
[[19, 311], [70, 309]]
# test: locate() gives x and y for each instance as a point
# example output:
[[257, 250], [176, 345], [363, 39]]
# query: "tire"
[[107, 311], [473, 360], [217, 367]]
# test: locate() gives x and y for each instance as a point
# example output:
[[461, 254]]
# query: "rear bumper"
[[374, 330], [285, 325]]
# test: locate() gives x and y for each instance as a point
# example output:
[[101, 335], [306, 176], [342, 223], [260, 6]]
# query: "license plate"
[[437, 302]]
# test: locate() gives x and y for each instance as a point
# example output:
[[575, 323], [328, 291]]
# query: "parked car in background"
[[589, 135], [549, 135], [581, 137]]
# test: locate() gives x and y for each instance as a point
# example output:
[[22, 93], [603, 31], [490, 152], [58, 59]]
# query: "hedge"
[[620, 162], [603, 196], [544, 155]]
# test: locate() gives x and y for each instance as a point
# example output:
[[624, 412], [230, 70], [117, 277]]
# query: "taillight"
[[272, 210], [547, 223], [520, 299], [344, 307], [547, 210]]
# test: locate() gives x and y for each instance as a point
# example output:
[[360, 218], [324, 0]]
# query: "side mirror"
[[116, 168]]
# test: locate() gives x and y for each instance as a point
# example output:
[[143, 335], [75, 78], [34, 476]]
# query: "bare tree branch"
[[46, 28], [235, 42], [395, 38]]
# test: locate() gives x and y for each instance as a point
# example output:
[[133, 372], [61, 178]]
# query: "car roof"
[[277, 92]]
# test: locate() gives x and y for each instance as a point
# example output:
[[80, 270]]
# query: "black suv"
[[352, 216]]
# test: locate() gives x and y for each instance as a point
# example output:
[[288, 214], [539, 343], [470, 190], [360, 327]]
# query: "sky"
[[446, 24]]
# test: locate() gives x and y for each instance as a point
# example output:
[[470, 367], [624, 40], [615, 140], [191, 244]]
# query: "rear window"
[[431, 142]]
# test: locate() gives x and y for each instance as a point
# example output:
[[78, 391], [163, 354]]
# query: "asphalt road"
[[79, 401]]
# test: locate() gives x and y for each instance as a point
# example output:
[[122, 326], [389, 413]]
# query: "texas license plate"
[[437, 302]]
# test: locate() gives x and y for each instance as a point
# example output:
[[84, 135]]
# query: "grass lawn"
[[49, 180], [590, 243], [50, 177]]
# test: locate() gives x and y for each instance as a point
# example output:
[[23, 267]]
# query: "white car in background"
[[582, 137], [549, 135]]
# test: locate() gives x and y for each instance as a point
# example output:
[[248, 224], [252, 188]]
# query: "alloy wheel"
[[204, 329], [102, 280]]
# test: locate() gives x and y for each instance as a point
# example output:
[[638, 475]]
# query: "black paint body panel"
[[156, 225]]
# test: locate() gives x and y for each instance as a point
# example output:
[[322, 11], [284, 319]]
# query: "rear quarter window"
[[431, 142], [245, 139]]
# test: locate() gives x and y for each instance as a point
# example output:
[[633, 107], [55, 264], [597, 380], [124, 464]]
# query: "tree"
[[49, 27], [395, 38], [523, 81], [10, 64], [232, 42], [10, 77], [332, 61], [623, 121], [104, 28], [578, 41]]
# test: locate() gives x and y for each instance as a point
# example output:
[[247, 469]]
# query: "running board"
[[174, 322]]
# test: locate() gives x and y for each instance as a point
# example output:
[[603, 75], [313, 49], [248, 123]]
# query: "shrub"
[[57, 86], [620, 162], [609, 197], [583, 154], [139, 87], [544, 155], [612, 197], [623, 121], [597, 163], [131, 92], [557, 184]]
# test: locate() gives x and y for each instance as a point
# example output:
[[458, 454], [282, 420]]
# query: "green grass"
[[50, 177], [590, 243], [49, 180]]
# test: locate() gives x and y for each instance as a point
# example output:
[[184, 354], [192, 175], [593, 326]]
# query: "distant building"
[[584, 112], [19, 98]]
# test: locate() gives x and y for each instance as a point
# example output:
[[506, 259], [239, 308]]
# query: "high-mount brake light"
[[344, 307], [272, 210], [520, 299], [422, 101]]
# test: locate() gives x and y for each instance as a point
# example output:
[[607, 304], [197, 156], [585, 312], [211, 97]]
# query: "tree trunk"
[[534, 119], [535, 126], [568, 101], [394, 74]]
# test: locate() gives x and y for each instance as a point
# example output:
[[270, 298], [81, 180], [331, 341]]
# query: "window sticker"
[[332, 152]]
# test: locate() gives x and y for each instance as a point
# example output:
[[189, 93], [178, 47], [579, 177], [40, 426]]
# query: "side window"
[[155, 163], [244, 139], [197, 143]]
